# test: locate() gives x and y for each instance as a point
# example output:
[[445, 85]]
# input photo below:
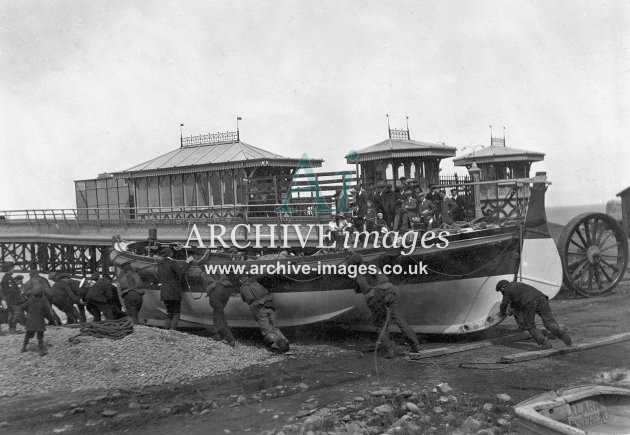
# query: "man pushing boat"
[[382, 300], [261, 305], [527, 301]]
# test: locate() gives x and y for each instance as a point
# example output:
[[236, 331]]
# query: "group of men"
[[406, 207], [97, 295], [31, 303], [36, 297], [172, 275]]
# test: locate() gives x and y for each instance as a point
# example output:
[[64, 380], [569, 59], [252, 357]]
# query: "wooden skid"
[[527, 356], [431, 353]]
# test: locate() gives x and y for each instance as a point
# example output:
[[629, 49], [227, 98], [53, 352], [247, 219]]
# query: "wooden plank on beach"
[[527, 356], [431, 353]]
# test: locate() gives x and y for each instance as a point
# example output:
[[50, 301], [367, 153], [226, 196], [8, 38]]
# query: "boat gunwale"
[[418, 251], [528, 409]]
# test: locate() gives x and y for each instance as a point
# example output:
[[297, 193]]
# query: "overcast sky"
[[94, 86]]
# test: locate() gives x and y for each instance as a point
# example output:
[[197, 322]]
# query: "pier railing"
[[491, 193], [144, 215]]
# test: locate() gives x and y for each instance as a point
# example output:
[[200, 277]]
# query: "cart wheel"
[[594, 252]]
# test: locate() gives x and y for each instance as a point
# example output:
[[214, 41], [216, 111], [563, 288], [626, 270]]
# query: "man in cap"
[[19, 280], [218, 289], [130, 286], [381, 297], [435, 197], [448, 208], [459, 214], [38, 285], [261, 305], [84, 286], [172, 277], [63, 298], [38, 309], [527, 301], [99, 296], [379, 196], [12, 296], [409, 211], [360, 201], [338, 227]]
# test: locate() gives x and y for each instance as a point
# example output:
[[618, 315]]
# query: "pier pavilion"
[[494, 163], [207, 172], [399, 156], [499, 162]]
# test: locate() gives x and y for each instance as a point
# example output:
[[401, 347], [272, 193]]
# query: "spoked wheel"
[[594, 252]]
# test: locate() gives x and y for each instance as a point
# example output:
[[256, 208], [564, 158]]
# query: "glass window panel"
[[123, 196], [112, 196], [178, 191], [215, 186], [90, 185], [91, 198], [241, 187], [101, 197], [79, 185], [154, 200], [81, 198], [142, 198], [165, 191], [189, 187], [202, 189], [228, 188]]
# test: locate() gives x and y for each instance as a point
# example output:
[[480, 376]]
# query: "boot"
[[546, 345], [42, 348], [25, 344], [559, 332], [414, 343], [387, 344], [175, 321], [167, 324], [538, 336]]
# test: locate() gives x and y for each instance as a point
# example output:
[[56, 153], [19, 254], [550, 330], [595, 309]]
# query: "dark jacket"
[[129, 281], [459, 214], [171, 274], [10, 291], [76, 289], [62, 290], [130, 287], [37, 309], [517, 295], [376, 288], [252, 292], [35, 285], [100, 292]]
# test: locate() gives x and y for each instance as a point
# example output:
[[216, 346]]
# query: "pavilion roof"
[[210, 156], [495, 154], [403, 148]]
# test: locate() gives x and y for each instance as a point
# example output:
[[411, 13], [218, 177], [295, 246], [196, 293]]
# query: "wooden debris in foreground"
[[527, 356], [431, 353]]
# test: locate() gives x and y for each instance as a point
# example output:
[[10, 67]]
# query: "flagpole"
[[391, 150], [181, 136]]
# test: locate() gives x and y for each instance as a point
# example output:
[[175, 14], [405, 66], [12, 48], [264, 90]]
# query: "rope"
[[474, 270], [114, 329], [378, 341]]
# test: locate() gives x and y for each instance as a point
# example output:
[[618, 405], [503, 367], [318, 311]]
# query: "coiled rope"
[[114, 329]]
